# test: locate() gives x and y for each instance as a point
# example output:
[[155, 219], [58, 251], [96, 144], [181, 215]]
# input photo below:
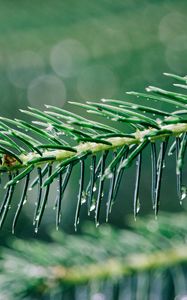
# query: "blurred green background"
[[55, 51]]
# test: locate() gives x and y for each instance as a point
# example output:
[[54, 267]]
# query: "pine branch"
[[71, 262], [57, 140]]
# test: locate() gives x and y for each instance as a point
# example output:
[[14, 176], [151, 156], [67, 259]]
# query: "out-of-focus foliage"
[[146, 262]]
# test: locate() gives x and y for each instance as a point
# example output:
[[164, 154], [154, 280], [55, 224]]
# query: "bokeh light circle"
[[46, 89], [175, 53], [171, 26], [67, 57]]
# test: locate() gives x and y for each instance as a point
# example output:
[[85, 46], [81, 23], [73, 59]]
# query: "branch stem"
[[60, 155], [124, 267]]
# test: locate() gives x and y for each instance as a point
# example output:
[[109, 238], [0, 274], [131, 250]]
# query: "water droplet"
[[92, 207], [148, 89], [138, 206], [50, 127], [37, 217], [83, 198], [109, 175], [30, 189], [94, 188], [183, 193], [36, 230]]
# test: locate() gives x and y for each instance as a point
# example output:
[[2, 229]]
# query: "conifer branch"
[[57, 140], [149, 249]]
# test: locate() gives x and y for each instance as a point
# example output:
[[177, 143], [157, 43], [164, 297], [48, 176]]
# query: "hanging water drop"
[[183, 193], [37, 217], [92, 207], [110, 175], [138, 206], [83, 197]]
